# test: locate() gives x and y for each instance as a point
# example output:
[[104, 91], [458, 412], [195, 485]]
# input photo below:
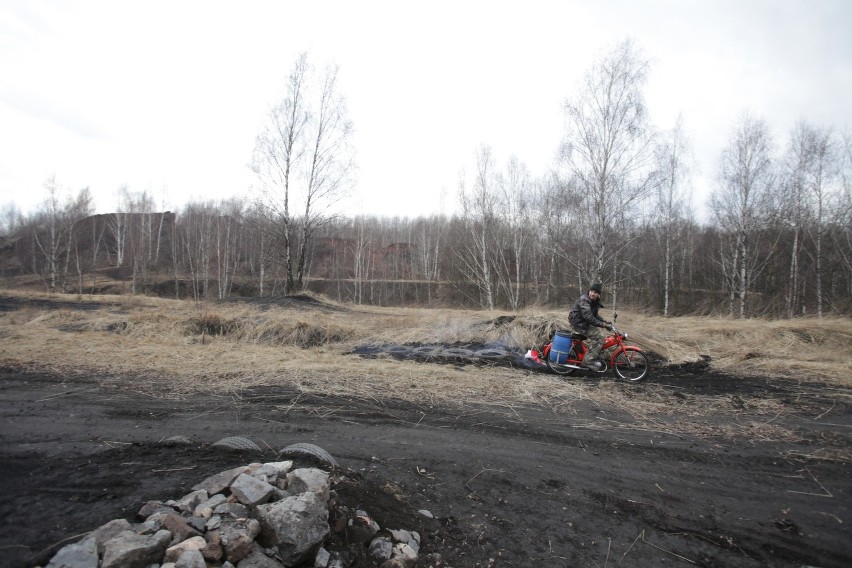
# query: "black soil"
[[527, 486]]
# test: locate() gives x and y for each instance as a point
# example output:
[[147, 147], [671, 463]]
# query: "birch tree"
[[303, 160], [53, 232], [820, 173], [11, 219], [672, 198], [514, 216], [795, 201], [478, 213], [608, 148], [740, 204]]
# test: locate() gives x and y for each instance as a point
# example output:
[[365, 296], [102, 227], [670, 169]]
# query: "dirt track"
[[521, 487]]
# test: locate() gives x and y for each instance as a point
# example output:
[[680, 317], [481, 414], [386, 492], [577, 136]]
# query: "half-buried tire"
[[237, 443], [304, 450]]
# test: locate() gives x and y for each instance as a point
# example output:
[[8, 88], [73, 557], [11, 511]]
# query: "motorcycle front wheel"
[[631, 366]]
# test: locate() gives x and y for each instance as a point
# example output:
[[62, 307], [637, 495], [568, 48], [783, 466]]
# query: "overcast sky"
[[168, 96]]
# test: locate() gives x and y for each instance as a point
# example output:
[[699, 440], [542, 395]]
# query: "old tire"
[[237, 443], [305, 450]]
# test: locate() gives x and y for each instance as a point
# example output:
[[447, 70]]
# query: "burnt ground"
[[508, 487]]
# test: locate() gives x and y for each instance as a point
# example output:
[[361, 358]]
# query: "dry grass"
[[805, 348], [172, 348]]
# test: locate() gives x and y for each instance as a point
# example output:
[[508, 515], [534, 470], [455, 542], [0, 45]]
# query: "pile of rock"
[[256, 516]]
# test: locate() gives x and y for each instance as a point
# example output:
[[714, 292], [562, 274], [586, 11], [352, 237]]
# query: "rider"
[[585, 320]]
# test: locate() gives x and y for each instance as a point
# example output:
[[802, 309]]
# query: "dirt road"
[[509, 487]]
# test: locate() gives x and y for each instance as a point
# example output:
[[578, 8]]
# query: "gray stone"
[[233, 510], [148, 527], [131, 550], [238, 537], [426, 514], [309, 479], [153, 507], [283, 467], [198, 523], [278, 493], [405, 552], [258, 559], [175, 524], [219, 482], [414, 545], [251, 491], [213, 551], [265, 473], [190, 501], [174, 552], [381, 548], [401, 535], [191, 559], [205, 509], [108, 531], [362, 528], [213, 523], [322, 558], [83, 554], [296, 525]]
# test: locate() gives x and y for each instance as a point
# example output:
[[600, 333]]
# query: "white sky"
[[169, 96]]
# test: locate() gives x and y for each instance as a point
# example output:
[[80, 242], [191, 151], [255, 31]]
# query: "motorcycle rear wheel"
[[559, 369], [631, 366]]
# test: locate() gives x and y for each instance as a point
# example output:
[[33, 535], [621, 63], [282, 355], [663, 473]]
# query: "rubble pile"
[[261, 515]]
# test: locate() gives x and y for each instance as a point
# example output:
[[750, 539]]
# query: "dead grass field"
[[178, 347]]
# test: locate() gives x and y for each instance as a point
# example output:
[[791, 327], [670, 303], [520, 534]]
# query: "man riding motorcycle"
[[585, 320]]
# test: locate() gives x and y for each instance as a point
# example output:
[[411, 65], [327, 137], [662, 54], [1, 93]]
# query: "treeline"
[[529, 250], [615, 208]]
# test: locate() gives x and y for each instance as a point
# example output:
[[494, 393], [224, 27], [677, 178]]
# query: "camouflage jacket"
[[585, 313]]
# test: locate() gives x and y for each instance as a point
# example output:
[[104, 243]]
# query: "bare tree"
[[362, 246], [741, 203], [819, 175], [513, 239], [843, 214], [330, 162], [53, 232], [11, 219], [607, 147], [228, 233], [795, 201], [48, 235], [672, 198], [478, 212], [303, 158], [429, 241]]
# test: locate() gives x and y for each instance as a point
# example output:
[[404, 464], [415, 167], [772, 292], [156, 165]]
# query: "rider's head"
[[595, 290]]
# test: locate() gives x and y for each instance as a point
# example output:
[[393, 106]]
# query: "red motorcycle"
[[565, 353]]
